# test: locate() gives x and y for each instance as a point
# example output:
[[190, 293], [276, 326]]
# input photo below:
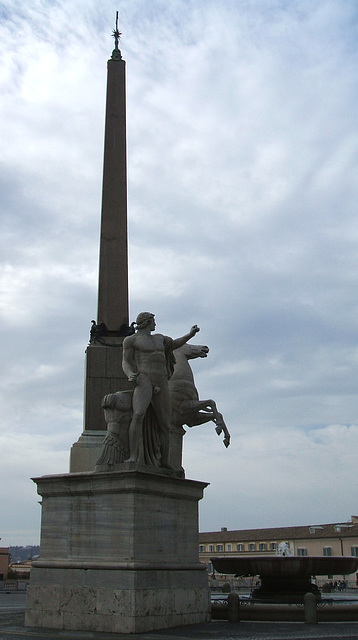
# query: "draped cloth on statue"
[[169, 355], [115, 448], [151, 440]]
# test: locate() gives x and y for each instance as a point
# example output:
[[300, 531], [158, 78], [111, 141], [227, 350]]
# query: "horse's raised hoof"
[[226, 442]]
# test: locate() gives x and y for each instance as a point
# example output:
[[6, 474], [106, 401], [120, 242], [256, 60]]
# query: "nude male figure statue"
[[147, 362]]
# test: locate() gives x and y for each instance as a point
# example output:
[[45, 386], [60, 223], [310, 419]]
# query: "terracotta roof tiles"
[[347, 530]]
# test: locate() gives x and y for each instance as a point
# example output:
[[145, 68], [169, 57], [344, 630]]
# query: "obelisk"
[[113, 262], [104, 372]]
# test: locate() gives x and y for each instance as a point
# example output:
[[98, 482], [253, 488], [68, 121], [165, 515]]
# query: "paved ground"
[[12, 628]]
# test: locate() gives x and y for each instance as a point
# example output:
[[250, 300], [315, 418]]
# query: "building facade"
[[335, 539], [4, 562]]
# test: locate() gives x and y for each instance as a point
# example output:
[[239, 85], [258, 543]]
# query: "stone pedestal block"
[[119, 553], [84, 453]]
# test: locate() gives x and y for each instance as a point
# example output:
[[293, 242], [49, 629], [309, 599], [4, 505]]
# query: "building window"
[[210, 568], [262, 546], [354, 552], [219, 547], [273, 546], [228, 547], [302, 552], [240, 547], [201, 548], [327, 551], [211, 548], [252, 546]]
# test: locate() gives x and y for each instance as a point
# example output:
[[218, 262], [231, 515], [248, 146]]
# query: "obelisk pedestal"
[[119, 553], [103, 375]]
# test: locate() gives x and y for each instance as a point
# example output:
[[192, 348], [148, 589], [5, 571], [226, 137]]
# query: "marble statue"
[[284, 549], [148, 362], [186, 406], [145, 424]]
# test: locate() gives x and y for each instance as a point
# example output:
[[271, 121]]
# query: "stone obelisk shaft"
[[113, 263], [104, 373]]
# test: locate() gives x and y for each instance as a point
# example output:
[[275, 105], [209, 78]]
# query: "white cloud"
[[242, 162]]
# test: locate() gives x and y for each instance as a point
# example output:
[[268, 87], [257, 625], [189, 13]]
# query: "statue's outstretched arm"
[[178, 342]]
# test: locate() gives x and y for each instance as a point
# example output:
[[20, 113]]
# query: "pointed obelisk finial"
[[116, 54]]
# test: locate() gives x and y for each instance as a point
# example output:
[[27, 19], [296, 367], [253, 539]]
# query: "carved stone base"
[[119, 553], [172, 602]]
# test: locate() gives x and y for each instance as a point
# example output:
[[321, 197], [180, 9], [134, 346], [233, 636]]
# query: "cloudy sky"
[[243, 191]]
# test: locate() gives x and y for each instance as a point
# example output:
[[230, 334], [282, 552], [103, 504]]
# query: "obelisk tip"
[[116, 34]]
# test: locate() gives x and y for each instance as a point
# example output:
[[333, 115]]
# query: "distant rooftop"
[[332, 530]]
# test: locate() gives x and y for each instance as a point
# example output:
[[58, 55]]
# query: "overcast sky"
[[242, 139]]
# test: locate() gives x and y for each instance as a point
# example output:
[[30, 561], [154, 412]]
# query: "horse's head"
[[192, 351]]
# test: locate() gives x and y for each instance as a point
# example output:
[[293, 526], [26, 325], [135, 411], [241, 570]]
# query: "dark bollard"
[[310, 608], [233, 603]]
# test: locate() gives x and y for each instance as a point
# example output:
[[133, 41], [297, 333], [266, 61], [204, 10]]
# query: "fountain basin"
[[286, 565], [285, 578]]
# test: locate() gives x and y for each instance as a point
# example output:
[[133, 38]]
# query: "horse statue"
[[186, 406]]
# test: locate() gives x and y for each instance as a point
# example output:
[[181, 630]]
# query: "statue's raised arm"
[[179, 342]]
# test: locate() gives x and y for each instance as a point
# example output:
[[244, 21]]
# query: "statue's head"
[[144, 319]]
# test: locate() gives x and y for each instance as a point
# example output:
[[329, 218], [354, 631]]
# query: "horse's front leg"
[[226, 434], [220, 424], [217, 417], [218, 420]]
